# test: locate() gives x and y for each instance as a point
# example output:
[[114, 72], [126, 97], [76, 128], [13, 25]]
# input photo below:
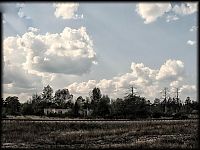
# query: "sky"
[[113, 46]]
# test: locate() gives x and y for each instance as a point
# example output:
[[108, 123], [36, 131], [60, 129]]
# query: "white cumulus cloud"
[[185, 8], [170, 18], [151, 11], [148, 82], [190, 42], [33, 60], [193, 28], [172, 69], [68, 52], [66, 10], [16, 80]]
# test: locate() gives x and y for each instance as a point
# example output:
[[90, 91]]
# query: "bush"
[[180, 116], [3, 113], [157, 115], [57, 115]]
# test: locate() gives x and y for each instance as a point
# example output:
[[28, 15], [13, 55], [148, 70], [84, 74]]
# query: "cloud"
[[17, 80], [189, 42], [83, 87], [171, 70], [193, 28], [34, 60], [68, 52], [32, 29], [185, 8], [66, 10], [148, 82], [188, 89], [151, 11], [170, 18]]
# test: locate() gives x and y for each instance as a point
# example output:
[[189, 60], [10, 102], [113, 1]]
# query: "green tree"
[[95, 98], [136, 107], [47, 94], [37, 104], [118, 108], [188, 104], [103, 106], [27, 108], [76, 109], [61, 97], [13, 106], [3, 110]]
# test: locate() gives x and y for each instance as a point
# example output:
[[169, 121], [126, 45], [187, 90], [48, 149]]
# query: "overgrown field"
[[104, 135]]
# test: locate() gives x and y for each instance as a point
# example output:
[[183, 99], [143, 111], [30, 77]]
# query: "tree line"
[[97, 105]]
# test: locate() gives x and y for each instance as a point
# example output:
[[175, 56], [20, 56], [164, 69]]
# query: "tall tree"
[[61, 97], [13, 106], [188, 103], [47, 94], [76, 109], [103, 106], [118, 108], [95, 98], [37, 104]]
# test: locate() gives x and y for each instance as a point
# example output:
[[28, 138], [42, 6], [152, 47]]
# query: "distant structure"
[[56, 111], [64, 94]]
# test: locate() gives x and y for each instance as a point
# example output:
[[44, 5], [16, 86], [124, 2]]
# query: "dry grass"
[[86, 135]]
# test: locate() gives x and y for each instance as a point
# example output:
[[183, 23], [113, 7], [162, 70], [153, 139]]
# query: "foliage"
[[97, 105], [103, 106], [95, 98], [12, 105], [61, 97], [47, 94]]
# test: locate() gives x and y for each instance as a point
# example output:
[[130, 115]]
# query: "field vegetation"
[[182, 134]]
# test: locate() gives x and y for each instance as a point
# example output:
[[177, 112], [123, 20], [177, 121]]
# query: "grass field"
[[94, 135]]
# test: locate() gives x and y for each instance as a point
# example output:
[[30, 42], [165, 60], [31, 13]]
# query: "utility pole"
[[165, 93], [177, 94], [133, 91], [165, 90]]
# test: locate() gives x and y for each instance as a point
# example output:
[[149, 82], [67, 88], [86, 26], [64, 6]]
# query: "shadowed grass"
[[145, 134]]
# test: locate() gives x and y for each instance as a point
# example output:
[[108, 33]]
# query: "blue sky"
[[123, 35]]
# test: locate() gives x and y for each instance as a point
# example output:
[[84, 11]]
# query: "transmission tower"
[[177, 91], [133, 91], [165, 93]]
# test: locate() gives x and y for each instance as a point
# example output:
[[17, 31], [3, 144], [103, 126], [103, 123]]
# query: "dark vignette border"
[[1, 47]]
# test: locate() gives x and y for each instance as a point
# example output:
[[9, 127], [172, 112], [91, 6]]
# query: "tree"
[[13, 105], [46, 97], [95, 98], [27, 108], [103, 106], [38, 104], [188, 103], [76, 109], [3, 110], [169, 105], [136, 107], [118, 108], [86, 103], [61, 97], [47, 94]]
